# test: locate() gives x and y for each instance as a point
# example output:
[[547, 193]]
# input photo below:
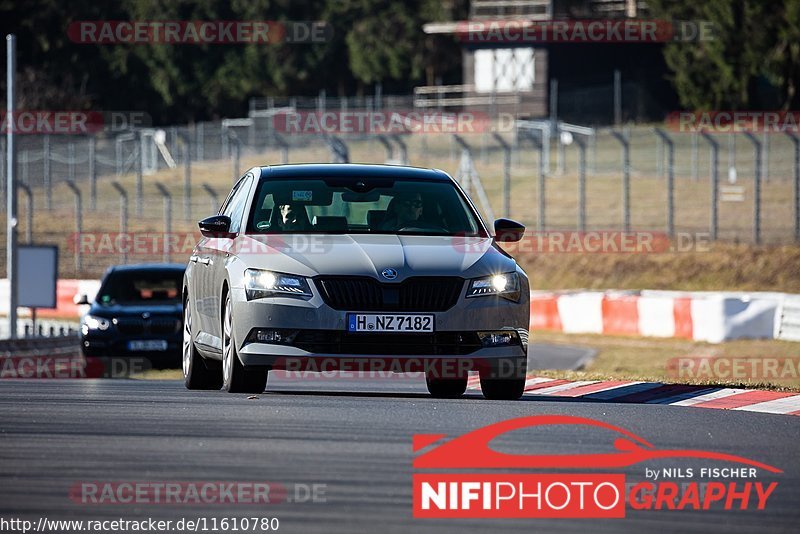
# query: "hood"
[[369, 254]]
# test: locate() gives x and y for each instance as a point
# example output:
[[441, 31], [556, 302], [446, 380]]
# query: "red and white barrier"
[[702, 316]]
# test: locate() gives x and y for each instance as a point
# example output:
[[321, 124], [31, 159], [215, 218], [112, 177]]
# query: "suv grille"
[[422, 293], [154, 325]]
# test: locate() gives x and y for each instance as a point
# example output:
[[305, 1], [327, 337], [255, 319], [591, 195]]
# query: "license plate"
[[389, 322], [147, 345]]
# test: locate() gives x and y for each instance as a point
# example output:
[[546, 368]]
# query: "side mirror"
[[81, 299], [216, 226], [508, 231]]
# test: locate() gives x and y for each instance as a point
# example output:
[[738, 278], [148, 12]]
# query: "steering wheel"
[[423, 225]]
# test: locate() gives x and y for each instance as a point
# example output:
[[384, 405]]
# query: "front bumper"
[[454, 338]]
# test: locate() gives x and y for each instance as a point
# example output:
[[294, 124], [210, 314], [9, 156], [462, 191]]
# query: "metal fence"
[[83, 192]]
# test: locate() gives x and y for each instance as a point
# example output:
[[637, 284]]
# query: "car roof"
[[325, 170], [148, 267]]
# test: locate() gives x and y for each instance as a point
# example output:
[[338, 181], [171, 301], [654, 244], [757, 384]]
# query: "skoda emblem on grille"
[[389, 274], [146, 315]]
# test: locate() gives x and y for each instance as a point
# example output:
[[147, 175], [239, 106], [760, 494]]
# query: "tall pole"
[[11, 189]]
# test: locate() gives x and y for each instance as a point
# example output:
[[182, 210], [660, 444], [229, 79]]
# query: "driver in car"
[[404, 210], [293, 218]]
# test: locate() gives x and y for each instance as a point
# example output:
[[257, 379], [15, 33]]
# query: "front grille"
[[389, 344], [422, 293], [156, 325], [129, 325]]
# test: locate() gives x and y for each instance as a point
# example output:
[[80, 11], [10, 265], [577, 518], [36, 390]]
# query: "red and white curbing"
[[712, 317], [751, 400]]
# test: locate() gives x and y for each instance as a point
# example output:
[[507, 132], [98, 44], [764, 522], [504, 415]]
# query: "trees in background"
[[753, 59]]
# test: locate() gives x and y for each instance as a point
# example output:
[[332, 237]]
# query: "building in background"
[[504, 72]]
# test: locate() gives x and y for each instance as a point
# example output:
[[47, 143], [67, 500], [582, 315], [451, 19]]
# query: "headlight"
[[259, 284], [503, 285], [92, 322]]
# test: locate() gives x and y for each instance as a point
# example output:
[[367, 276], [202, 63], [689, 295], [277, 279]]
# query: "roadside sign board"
[[37, 274]]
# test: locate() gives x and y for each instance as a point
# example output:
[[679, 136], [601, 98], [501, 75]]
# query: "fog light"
[[499, 338], [264, 335], [269, 336]]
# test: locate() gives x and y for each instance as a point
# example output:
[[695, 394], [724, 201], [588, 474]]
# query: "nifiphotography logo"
[[586, 487]]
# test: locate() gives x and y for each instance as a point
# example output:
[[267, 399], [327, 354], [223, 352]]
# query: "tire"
[[196, 374], [504, 384], [236, 378], [446, 388]]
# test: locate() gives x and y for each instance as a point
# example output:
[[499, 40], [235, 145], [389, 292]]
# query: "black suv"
[[137, 313]]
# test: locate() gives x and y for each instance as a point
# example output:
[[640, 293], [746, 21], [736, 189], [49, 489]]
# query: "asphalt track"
[[355, 437]]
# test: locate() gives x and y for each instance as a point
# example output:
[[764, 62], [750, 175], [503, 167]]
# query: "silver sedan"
[[325, 267]]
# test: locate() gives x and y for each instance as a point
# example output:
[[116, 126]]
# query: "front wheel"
[[196, 374], [236, 378], [504, 380], [446, 388]]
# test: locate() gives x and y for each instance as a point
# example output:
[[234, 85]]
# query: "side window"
[[234, 208]]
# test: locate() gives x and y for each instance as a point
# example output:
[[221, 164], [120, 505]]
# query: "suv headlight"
[[503, 285], [92, 322], [259, 284]]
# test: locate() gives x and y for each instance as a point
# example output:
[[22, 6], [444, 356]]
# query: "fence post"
[[48, 177], [338, 148], [714, 185], [28, 212], [78, 226], [139, 185], [279, 139], [237, 153], [670, 181], [71, 157], [506, 173], [659, 157], [581, 184], [92, 172], [187, 175], [796, 141], [387, 146], [167, 220], [542, 185], [199, 140], [466, 155], [213, 196], [757, 147], [403, 149], [123, 217], [626, 178]]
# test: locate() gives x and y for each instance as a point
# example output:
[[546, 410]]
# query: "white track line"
[[721, 394], [784, 405], [563, 387]]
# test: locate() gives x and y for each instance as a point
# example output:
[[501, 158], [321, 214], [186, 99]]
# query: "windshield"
[[145, 287], [361, 206]]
